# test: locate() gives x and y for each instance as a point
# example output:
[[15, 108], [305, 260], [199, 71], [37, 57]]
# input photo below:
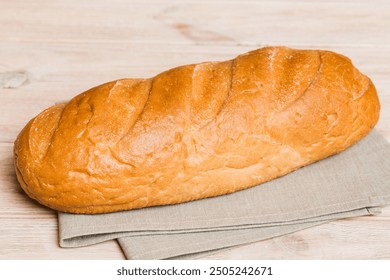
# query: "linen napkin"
[[353, 183]]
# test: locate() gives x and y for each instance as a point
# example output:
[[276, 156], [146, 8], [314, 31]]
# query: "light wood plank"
[[36, 238], [183, 22]]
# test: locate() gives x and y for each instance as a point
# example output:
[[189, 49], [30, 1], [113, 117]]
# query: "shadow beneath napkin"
[[353, 183]]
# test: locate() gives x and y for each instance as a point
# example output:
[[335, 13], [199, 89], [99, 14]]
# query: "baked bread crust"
[[194, 131]]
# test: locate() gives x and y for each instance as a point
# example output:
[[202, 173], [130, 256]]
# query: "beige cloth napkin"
[[353, 183]]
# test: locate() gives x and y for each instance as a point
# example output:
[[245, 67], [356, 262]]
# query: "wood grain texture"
[[66, 47]]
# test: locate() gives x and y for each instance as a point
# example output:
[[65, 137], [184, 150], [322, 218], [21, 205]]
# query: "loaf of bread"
[[195, 131]]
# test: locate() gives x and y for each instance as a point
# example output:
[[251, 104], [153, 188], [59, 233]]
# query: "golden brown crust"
[[194, 131]]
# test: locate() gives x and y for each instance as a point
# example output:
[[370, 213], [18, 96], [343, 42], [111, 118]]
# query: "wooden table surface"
[[53, 50]]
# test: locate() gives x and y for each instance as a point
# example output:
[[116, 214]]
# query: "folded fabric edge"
[[90, 239], [190, 251], [73, 234], [208, 253], [149, 247]]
